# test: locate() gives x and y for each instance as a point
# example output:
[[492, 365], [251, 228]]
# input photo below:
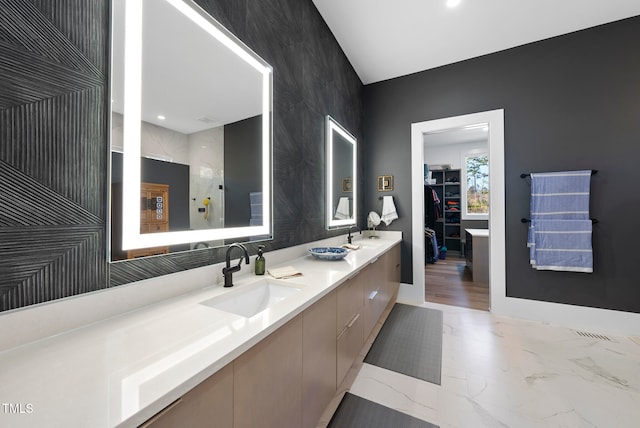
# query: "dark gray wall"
[[571, 102], [242, 169], [54, 142]]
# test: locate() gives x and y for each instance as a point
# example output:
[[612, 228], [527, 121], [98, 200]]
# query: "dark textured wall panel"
[[42, 263], [27, 202], [148, 267], [571, 102], [54, 146], [52, 151], [59, 142], [82, 22]]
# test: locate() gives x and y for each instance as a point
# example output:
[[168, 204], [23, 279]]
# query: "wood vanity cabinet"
[[350, 327], [376, 295], [394, 271], [381, 281], [212, 400], [289, 378], [318, 358], [268, 380]]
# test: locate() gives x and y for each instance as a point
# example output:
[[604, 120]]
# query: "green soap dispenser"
[[260, 262]]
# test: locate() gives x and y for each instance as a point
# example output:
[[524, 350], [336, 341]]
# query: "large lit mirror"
[[342, 189], [191, 132]]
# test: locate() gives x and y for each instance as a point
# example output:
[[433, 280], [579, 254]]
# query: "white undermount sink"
[[251, 299]]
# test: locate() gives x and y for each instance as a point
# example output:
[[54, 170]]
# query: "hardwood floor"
[[449, 282]]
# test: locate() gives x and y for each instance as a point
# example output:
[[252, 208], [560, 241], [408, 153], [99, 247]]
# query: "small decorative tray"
[[328, 253]]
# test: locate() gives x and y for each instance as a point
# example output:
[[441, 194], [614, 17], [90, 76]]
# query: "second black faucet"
[[350, 238]]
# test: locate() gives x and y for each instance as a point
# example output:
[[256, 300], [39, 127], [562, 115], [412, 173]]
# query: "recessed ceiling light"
[[453, 3]]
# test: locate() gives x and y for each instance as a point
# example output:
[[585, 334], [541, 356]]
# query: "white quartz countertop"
[[478, 232], [123, 370]]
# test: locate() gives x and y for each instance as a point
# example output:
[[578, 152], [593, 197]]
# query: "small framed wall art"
[[385, 183], [347, 184]]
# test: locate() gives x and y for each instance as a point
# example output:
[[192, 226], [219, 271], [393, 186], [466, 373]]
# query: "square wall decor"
[[385, 183]]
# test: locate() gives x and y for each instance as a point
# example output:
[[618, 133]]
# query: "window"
[[475, 200]]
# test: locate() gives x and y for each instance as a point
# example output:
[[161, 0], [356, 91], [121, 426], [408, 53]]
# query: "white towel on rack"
[[389, 212], [342, 211]]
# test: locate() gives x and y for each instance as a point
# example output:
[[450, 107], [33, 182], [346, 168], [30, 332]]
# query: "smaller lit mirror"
[[342, 190]]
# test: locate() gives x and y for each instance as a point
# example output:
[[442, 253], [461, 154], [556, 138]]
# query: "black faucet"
[[350, 238], [228, 270]]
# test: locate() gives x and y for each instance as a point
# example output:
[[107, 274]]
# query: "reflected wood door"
[[154, 216]]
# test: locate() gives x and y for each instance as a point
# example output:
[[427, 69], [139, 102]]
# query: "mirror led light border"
[[331, 126], [131, 236]]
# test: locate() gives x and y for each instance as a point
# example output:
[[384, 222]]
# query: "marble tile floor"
[[505, 372]]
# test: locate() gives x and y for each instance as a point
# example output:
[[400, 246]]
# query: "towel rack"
[[528, 220], [593, 172]]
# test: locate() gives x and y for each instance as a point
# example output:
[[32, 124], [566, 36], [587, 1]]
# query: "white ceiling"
[[384, 39], [188, 76]]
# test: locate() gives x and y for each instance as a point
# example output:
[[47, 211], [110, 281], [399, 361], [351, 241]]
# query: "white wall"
[[451, 153], [206, 158]]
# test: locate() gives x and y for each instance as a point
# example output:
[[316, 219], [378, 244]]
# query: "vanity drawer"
[[350, 342], [211, 400], [350, 301]]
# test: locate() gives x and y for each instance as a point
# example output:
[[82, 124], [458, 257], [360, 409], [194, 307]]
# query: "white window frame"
[[463, 184]]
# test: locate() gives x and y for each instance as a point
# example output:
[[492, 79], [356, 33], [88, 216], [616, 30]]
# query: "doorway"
[[456, 200], [496, 222]]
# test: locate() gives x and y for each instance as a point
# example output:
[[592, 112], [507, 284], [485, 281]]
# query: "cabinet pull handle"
[[353, 321], [373, 295], [398, 265], [161, 413]]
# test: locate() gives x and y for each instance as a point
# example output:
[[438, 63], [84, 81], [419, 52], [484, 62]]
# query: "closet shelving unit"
[[448, 188]]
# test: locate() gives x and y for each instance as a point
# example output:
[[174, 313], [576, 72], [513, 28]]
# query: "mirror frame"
[[332, 126], [132, 238]]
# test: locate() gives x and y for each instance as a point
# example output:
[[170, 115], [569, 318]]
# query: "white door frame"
[[497, 276], [600, 320]]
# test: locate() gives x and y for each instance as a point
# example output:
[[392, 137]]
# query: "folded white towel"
[[342, 212], [284, 272], [389, 212], [351, 246]]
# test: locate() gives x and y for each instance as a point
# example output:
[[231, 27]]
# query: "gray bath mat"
[[410, 342], [356, 412]]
